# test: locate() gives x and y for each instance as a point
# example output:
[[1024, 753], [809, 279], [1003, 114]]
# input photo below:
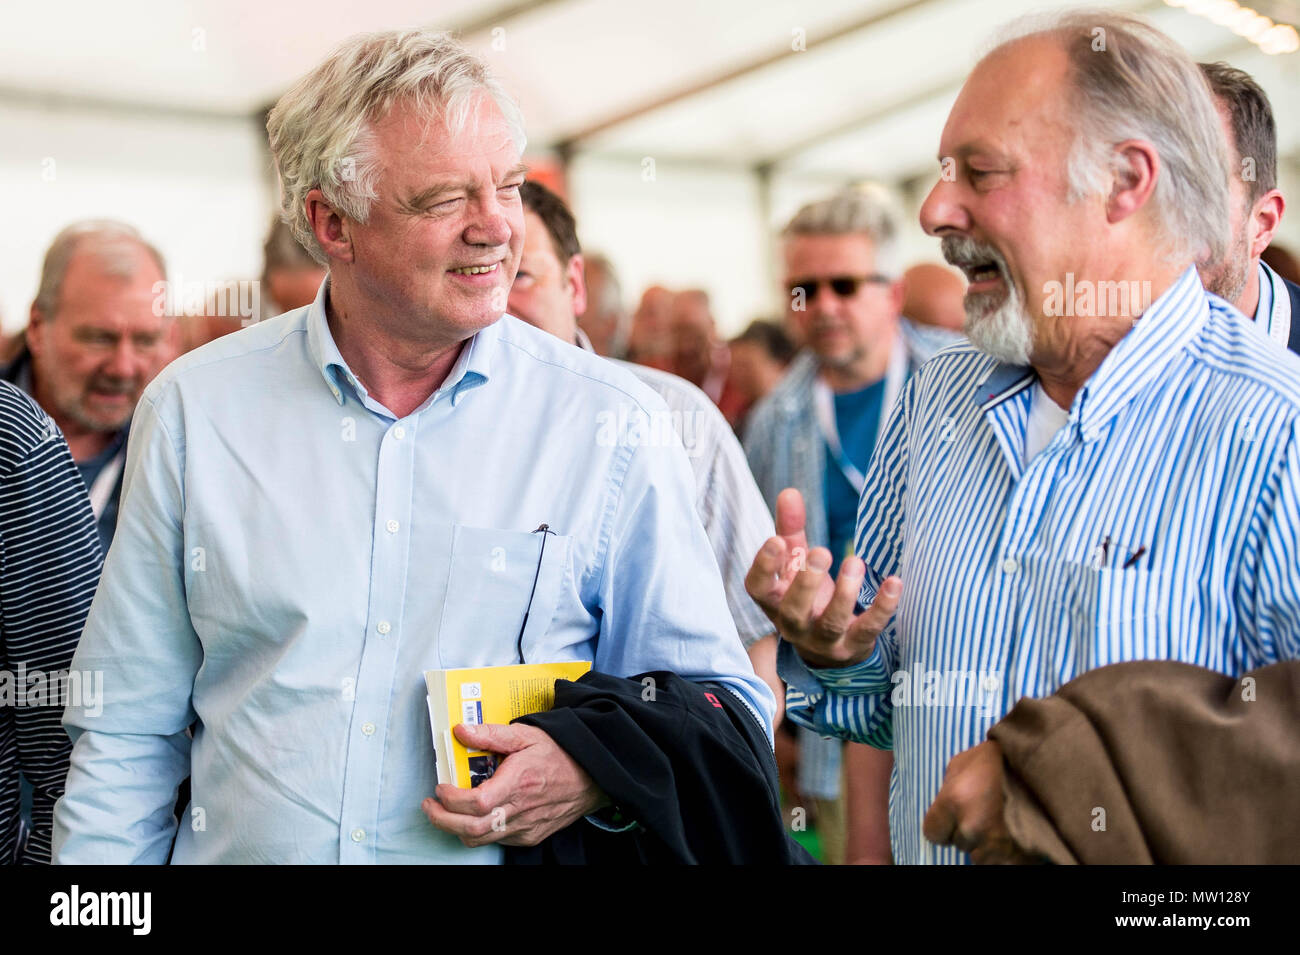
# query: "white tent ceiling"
[[712, 83], [151, 111]]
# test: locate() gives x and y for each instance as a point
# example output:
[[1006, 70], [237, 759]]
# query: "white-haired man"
[[95, 338], [392, 479], [1094, 481]]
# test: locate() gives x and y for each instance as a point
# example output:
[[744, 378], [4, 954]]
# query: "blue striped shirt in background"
[[49, 566], [1160, 523]]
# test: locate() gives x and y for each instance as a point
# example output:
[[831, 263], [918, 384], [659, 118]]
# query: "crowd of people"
[[238, 534]]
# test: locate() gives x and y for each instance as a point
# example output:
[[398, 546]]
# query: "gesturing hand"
[[815, 613], [537, 790]]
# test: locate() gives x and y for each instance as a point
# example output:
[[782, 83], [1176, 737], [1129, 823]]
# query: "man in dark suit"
[[1257, 208]]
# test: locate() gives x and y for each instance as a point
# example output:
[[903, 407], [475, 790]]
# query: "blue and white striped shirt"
[[1160, 523], [49, 566]]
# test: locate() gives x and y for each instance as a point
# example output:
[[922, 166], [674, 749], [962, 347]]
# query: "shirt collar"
[[472, 367], [1264, 309], [582, 341], [1161, 332]]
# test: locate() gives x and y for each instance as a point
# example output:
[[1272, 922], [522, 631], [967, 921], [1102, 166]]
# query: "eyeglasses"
[[845, 286]]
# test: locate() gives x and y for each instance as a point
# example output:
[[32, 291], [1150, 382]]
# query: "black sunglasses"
[[845, 286]]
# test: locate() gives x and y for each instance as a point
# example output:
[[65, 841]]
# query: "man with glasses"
[[816, 430]]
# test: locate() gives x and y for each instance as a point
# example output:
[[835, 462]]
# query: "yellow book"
[[486, 695]]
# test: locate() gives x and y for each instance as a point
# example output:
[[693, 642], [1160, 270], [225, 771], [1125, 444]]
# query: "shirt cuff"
[[867, 676]]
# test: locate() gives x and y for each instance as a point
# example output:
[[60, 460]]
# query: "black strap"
[[1293, 342]]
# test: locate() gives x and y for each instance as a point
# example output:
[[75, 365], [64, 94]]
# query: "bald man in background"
[[651, 342], [606, 323], [934, 315]]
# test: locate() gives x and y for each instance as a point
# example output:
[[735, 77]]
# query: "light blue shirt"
[[290, 558], [1162, 522]]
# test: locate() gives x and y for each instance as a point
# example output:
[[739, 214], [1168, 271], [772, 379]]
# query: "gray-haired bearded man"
[[1111, 473]]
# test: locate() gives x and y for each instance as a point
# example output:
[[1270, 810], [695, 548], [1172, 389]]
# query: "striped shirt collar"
[[471, 369], [1137, 359]]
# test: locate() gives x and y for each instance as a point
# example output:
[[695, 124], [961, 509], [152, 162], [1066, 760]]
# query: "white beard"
[[1004, 331]]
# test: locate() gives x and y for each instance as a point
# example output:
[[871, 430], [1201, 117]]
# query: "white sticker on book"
[[472, 710], [470, 691]]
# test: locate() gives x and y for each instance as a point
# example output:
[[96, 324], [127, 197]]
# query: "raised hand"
[[810, 610]]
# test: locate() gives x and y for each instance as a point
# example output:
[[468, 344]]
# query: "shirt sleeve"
[[49, 565], [660, 590], [1269, 593], [129, 759], [854, 702], [756, 443], [737, 523]]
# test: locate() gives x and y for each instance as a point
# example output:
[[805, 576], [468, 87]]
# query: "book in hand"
[[486, 695]]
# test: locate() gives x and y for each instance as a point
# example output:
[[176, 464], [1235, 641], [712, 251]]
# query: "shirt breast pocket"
[[489, 589], [1119, 615]]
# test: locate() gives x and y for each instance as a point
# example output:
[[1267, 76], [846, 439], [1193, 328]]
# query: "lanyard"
[[824, 402], [101, 489]]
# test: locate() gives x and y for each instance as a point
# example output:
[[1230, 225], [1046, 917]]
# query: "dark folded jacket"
[[687, 762], [1182, 765]]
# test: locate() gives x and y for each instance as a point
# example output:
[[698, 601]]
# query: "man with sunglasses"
[[816, 431]]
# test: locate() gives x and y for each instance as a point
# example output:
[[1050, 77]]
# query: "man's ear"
[[1135, 165], [329, 227], [1265, 216], [575, 275]]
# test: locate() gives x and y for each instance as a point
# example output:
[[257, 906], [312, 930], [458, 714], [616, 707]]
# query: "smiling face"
[[1002, 206], [441, 247]]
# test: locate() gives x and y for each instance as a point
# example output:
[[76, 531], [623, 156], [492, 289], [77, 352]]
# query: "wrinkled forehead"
[[117, 272], [1015, 98]]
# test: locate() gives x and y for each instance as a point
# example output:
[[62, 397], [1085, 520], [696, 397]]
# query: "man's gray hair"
[[321, 131], [869, 210], [114, 244], [1133, 82]]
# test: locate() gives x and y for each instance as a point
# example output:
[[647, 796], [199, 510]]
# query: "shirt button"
[[399, 432], [392, 527], [368, 729], [384, 626], [358, 835], [1009, 566]]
